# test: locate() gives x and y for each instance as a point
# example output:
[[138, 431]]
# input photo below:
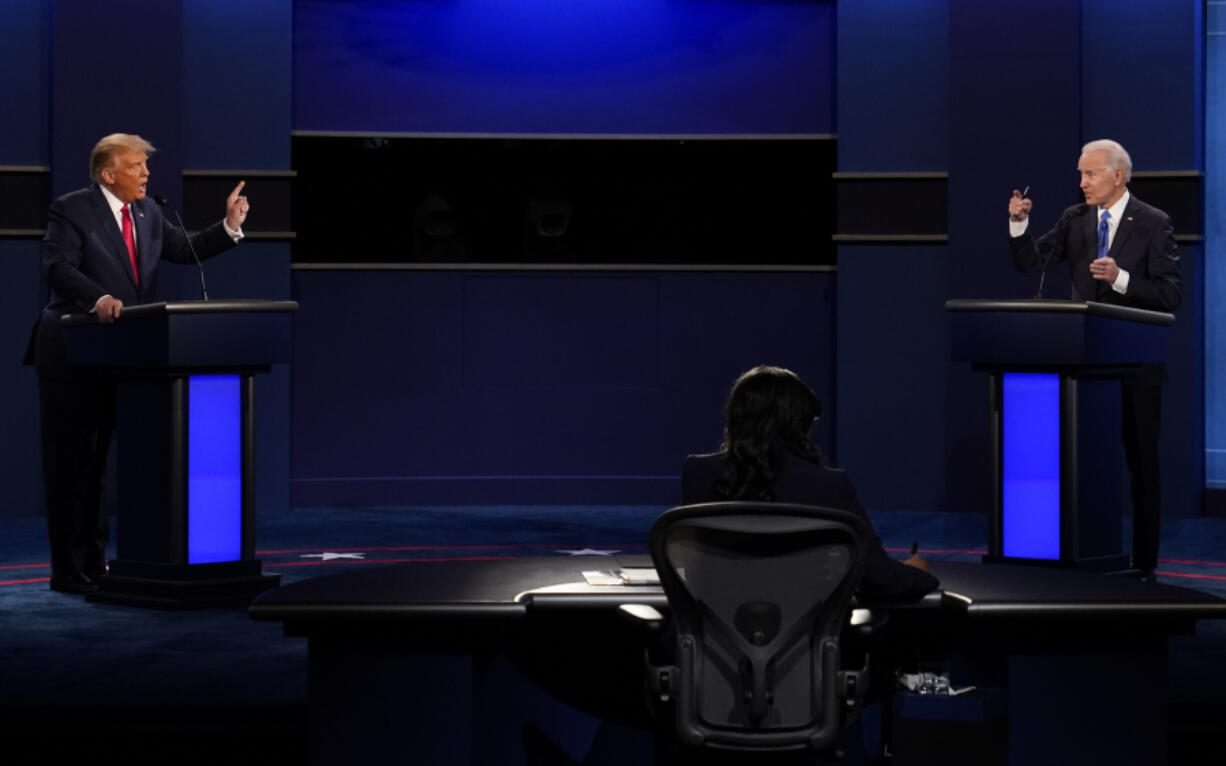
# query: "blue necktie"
[[1104, 235]]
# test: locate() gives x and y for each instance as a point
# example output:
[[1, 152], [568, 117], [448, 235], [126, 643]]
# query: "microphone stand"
[[1043, 276], [163, 202]]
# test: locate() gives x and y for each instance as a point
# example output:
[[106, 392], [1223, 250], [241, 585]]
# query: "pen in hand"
[[915, 560]]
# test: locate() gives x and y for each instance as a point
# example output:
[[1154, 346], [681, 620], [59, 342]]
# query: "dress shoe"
[[74, 583], [1147, 575]]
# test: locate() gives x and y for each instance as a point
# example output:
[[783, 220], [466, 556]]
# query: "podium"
[[185, 429], [1055, 369]]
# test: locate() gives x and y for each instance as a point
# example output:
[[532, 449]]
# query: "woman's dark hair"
[[768, 414]]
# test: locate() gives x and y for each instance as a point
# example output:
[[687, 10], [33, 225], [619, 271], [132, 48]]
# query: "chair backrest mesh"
[[757, 593], [759, 586]]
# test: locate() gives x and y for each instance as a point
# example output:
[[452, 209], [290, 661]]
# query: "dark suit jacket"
[[1144, 246], [85, 258], [800, 481]]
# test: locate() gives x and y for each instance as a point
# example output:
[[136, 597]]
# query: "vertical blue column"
[[1031, 473], [237, 61], [1014, 120], [24, 42], [1215, 246], [893, 69], [237, 84], [214, 469]]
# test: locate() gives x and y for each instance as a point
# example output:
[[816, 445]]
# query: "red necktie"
[[129, 239]]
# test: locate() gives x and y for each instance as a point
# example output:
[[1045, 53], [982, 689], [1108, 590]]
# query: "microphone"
[[163, 202], [1069, 214]]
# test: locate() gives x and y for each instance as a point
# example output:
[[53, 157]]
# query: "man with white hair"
[[102, 250], [1120, 251]]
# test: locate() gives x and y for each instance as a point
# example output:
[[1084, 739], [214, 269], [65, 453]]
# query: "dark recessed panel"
[[1180, 195], [551, 200], [204, 200], [24, 199], [892, 205]]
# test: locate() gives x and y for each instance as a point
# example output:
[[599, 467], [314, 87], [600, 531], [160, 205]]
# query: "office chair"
[[759, 595]]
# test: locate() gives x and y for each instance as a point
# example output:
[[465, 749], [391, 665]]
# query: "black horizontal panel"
[[892, 205], [634, 200], [24, 199], [1180, 195], [270, 195], [1215, 502]]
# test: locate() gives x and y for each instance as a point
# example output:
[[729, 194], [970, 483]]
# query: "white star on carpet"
[[586, 552]]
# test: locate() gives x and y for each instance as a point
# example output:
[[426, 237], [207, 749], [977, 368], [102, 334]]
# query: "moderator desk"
[[421, 657]]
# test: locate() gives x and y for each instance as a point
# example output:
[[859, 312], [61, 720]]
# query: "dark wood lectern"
[[1055, 368], [185, 433]]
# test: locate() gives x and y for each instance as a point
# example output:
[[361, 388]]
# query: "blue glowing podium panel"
[[1054, 369], [1030, 455], [185, 445], [214, 469]]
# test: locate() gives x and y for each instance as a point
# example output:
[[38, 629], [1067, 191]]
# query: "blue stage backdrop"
[[539, 66], [515, 386]]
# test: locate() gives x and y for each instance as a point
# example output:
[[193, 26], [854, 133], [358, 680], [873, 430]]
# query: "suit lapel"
[[1090, 231], [114, 237], [144, 243], [1124, 230]]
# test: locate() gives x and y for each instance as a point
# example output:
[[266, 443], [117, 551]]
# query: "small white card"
[[603, 577]]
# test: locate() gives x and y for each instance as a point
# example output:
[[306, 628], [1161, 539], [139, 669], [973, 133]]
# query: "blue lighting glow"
[[214, 467], [541, 66], [1031, 455]]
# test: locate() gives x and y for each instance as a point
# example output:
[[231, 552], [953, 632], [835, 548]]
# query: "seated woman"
[[767, 455]]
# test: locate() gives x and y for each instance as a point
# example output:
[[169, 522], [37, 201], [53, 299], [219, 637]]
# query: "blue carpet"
[[217, 678]]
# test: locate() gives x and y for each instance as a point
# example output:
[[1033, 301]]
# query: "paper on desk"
[[636, 576], [603, 577], [628, 576]]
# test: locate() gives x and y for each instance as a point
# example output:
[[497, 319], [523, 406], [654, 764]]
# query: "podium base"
[[1118, 562], [177, 587]]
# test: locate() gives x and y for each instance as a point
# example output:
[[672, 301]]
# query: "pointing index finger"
[[237, 189]]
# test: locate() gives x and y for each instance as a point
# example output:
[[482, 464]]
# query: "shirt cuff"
[[1120, 285], [235, 235], [1018, 228]]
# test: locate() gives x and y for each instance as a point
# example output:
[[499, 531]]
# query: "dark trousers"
[[1140, 418], [78, 419]]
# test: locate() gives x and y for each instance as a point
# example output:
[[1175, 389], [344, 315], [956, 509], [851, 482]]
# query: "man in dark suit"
[[1121, 251], [101, 252]]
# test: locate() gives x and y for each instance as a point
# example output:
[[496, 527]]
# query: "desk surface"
[[512, 589]]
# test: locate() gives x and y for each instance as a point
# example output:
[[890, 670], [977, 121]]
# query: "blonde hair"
[[109, 147]]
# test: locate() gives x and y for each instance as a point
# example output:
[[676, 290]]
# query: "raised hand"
[[1019, 207], [236, 208]]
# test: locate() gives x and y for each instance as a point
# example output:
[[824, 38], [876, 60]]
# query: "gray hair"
[[1117, 156], [108, 149]]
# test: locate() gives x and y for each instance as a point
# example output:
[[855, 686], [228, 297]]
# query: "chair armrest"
[[868, 623], [640, 613]]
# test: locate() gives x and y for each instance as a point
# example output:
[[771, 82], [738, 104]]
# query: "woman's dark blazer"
[[805, 483]]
